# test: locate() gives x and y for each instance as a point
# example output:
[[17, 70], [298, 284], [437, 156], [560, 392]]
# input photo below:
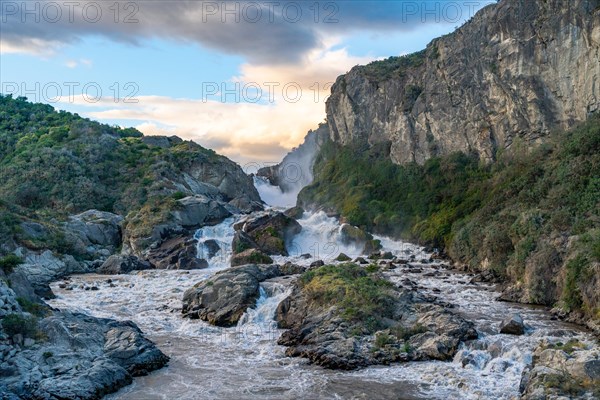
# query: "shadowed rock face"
[[120, 264], [224, 298], [517, 69], [81, 357]]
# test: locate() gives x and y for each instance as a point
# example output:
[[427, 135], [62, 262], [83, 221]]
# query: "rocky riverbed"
[[207, 359]]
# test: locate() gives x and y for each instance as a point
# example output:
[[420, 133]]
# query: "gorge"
[[438, 236]]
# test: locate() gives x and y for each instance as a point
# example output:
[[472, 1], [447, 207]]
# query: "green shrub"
[[360, 296], [178, 195], [9, 263], [31, 307], [14, 324]]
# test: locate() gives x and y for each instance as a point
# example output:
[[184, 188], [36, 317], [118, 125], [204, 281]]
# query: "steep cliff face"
[[520, 68]]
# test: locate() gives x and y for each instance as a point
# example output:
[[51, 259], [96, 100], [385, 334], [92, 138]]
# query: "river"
[[245, 362]]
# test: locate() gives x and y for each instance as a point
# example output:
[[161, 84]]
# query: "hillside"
[[55, 164]]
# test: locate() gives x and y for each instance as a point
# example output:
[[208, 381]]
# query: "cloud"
[[264, 32], [246, 132], [76, 63]]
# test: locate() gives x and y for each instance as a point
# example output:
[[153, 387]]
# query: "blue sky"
[[171, 59]]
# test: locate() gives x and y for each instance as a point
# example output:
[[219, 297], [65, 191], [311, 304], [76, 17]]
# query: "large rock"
[[94, 233], [558, 371], [125, 344], [43, 267], [196, 211], [81, 357], [413, 328], [513, 325], [122, 264], [250, 256], [223, 299], [176, 253], [268, 232]]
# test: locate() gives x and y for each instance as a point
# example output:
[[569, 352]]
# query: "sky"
[[245, 78]]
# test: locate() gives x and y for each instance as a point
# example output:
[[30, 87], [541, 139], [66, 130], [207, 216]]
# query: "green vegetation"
[[47, 355], [361, 296], [566, 384], [571, 346], [393, 66], [258, 257], [510, 217], [9, 263], [406, 333], [14, 324], [36, 309], [53, 164]]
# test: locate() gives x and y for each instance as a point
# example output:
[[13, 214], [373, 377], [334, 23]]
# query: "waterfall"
[[214, 243]]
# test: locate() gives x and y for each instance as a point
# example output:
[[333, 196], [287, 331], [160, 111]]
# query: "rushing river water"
[[245, 362]]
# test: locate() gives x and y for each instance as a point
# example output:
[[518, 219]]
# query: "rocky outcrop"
[[562, 370], [62, 355], [165, 238], [413, 328], [250, 256], [176, 253], [223, 299], [82, 357], [268, 232], [94, 233], [514, 72], [41, 268], [120, 264]]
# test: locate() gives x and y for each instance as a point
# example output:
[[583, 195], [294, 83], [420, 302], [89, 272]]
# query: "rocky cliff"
[[518, 69]]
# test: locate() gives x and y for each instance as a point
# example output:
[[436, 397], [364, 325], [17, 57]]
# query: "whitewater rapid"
[[244, 362]]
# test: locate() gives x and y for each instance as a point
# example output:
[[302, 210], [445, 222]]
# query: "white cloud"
[[242, 131], [76, 63]]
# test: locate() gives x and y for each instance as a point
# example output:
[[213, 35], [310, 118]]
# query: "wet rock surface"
[[268, 232], [562, 370], [223, 299], [178, 252], [119, 264], [513, 325], [64, 355]]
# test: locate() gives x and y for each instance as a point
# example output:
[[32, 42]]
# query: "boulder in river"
[[342, 258], [178, 252], [349, 331], [225, 297], [268, 232], [562, 370], [250, 256], [122, 264], [513, 325]]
